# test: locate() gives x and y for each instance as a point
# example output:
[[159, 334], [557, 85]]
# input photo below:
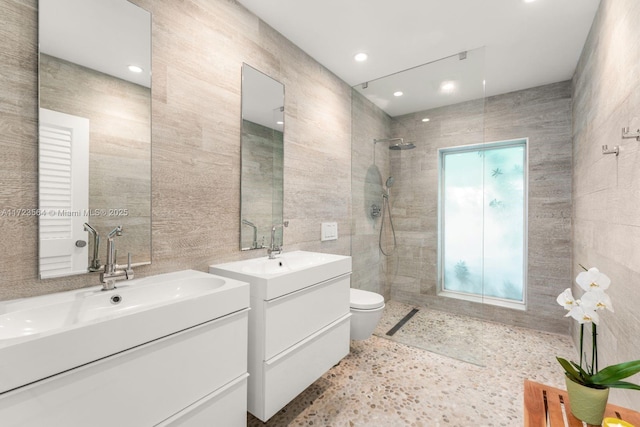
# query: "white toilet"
[[366, 311]]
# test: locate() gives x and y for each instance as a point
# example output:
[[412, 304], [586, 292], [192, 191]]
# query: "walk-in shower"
[[395, 244]]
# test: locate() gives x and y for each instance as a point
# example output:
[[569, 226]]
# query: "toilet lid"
[[365, 300]]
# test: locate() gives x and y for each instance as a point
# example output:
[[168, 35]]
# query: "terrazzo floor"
[[385, 383]]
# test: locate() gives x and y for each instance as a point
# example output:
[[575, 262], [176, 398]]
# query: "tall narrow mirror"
[[95, 133], [261, 184]]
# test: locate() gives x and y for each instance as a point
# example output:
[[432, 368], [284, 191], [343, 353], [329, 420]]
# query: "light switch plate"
[[329, 231]]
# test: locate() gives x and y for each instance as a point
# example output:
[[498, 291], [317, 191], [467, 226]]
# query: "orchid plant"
[[585, 311]]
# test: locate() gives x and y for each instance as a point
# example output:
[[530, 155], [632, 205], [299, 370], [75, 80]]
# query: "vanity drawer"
[[226, 406], [293, 317], [289, 373]]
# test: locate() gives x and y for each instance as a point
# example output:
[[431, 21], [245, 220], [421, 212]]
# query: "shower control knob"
[[375, 211]]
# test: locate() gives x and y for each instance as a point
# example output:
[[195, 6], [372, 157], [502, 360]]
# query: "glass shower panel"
[[427, 118]]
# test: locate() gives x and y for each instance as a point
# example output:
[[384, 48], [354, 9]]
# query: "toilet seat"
[[365, 300]]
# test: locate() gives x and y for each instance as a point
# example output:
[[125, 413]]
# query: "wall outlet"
[[329, 231]]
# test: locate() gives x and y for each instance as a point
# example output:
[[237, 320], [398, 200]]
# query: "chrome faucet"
[[112, 272], [272, 247], [95, 262]]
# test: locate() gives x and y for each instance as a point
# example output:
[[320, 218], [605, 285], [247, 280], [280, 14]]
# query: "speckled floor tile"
[[384, 383]]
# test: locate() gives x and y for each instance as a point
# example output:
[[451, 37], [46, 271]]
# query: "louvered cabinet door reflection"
[[63, 159]]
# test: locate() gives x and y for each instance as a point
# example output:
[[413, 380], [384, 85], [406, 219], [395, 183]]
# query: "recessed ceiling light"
[[135, 69], [360, 57], [529, 1], [398, 93], [426, 119]]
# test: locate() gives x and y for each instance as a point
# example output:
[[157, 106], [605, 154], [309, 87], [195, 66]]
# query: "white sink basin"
[[267, 267], [288, 272], [45, 335]]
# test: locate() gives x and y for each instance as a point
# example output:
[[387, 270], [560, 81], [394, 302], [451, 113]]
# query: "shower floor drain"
[[402, 321]]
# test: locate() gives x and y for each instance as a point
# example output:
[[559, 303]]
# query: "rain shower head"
[[397, 143], [402, 146]]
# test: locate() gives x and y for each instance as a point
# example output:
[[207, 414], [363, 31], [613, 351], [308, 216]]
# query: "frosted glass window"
[[482, 223]]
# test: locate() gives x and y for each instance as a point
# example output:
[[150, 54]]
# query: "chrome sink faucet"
[[94, 265], [272, 246], [112, 272]]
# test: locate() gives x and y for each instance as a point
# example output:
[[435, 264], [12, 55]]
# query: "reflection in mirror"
[[95, 133], [261, 184]]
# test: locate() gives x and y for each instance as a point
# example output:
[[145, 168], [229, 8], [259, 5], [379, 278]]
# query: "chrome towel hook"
[[605, 150], [627, 134]]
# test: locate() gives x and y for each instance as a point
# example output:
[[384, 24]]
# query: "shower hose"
[[385, 202]]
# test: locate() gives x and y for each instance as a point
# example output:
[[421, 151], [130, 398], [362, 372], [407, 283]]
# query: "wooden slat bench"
[[546, 406]]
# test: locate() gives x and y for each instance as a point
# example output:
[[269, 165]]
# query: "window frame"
[[440, 290]]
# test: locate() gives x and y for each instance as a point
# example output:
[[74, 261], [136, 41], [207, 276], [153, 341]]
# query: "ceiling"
[[521, 44]]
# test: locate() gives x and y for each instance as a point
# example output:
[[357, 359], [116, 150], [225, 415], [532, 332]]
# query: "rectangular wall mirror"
[[95, 133], [261, 185]]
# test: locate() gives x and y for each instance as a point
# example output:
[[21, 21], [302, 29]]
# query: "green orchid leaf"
[[582, 372], [585, 377], [623, 384], [570, 370], [568, 366], [613, 373]]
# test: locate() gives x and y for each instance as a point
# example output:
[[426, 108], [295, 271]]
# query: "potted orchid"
[[585, 377]]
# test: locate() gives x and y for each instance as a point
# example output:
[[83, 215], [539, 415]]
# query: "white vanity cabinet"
[[298, 324], [190, 369]]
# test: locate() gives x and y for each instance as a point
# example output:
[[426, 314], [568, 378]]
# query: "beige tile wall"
[[198, 50], [606, 188]]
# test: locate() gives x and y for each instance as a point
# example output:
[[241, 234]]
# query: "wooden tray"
[[546, 406]]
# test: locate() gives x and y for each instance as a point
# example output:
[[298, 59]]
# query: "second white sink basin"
[[288, 272], [267, 267], [46, 335]]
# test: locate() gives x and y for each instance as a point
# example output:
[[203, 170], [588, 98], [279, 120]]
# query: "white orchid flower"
[[592, 279], [583, 314], [597, 299], [566, 299]]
